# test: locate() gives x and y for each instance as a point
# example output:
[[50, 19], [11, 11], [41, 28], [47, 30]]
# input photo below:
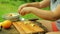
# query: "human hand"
[[25, 11], [35, 4], [22, 6]]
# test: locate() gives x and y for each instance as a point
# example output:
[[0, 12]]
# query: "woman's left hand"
[[25, 11]]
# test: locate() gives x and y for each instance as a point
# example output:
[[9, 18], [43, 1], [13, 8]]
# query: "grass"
[[11, 7]]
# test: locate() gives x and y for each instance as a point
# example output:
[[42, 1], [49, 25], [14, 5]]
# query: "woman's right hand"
[[23, 6], [35, 4]]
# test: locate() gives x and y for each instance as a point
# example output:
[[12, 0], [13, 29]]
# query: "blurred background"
[[11, 6]]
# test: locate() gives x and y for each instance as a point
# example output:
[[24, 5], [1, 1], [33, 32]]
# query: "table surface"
[[11, 30], [23, 28]]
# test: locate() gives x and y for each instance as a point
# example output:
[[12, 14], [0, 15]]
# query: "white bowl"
[[11, 16]]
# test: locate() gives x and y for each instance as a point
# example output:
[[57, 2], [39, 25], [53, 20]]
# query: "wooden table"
[[11, 30], [20, 28], [27, 28], [53, 32]]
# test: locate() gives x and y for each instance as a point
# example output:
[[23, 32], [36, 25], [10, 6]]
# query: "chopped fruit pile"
[[10, 15], [32, 25], [26, 22]]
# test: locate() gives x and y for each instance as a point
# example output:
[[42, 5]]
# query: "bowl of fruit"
[[11, 16]]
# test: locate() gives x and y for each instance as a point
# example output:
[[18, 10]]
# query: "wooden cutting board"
[[27, 27]]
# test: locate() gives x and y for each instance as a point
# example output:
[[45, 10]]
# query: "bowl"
[[11, 16]]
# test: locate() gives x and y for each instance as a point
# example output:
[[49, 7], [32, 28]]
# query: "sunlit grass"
[[11, 7]]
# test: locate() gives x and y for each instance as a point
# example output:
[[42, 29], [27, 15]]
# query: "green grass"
[[11, 7]]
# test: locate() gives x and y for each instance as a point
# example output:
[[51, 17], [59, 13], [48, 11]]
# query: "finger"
[[21, 7], [21, 12], [25, 12]]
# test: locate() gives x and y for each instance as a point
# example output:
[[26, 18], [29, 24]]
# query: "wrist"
[[35, 4], [32, 9]]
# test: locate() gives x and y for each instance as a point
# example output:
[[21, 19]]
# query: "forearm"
[[53, 32], [48, 15], [41, 4]]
